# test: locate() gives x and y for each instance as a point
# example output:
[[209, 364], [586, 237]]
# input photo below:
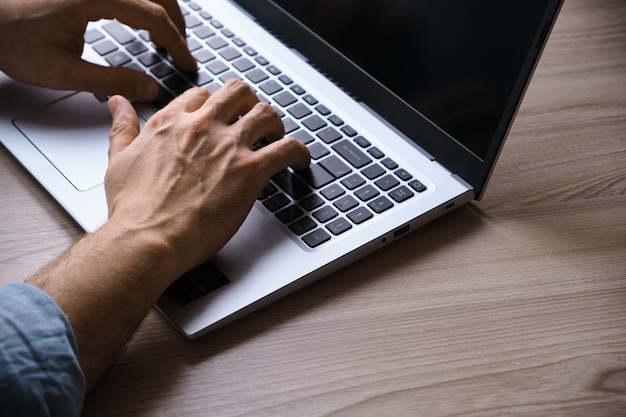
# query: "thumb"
[[125, 127]]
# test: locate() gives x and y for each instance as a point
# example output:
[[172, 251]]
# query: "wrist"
[[144, 254]]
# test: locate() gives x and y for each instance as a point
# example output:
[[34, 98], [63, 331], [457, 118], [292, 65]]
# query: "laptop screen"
[[461, 65], [456, 62]]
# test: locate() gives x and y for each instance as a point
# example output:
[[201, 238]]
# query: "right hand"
[[190, 177]]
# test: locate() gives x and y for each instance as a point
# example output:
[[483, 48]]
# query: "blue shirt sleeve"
[[39, 370]]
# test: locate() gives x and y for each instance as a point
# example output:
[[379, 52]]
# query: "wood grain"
[[512, 306]]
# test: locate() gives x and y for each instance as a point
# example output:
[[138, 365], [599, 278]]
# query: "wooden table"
[[515, 305]]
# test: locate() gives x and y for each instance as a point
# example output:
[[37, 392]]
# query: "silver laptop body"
[[374, 178]]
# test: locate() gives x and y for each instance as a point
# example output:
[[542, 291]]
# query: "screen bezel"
[[356, 82]]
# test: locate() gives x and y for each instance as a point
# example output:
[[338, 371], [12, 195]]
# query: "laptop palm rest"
[[73, 134]]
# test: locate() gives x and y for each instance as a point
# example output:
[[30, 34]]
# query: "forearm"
[[105, 284]]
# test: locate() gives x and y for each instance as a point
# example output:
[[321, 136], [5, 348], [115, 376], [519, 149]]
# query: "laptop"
[[404, 105]]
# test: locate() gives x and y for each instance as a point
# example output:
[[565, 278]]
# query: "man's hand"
[[177, 191], [190, 175], [42, 43]]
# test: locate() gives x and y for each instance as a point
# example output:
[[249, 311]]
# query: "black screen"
[[454, 61]]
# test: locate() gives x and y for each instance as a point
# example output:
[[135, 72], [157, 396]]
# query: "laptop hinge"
[[416, 146]]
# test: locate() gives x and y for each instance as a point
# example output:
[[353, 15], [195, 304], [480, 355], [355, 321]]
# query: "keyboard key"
[[204, 32], [403, 174], [299, 111], [118, 32], [217, 43], [175, 82], [291, 184], [285, 98], [298, 90], [257, 75], [289, 214], [401, 194], [351, 153], [289, 125], [336, 120], [230, 75], [318, 151], [269, 190], [353, 181], [360, 215], [346, 203], [250, 51], [135, 48], [118, 59], [273, 70], [316, 176], [193, 44], [105, 47], [93, 35], [310, 100], [285, 79], [316, 238], [305, 224], [303, 136], [325, 214], [270, 87], [333, 191], [417, 186], [375, 152], [150, 59], [191, 21], [387, 182], [362, 142], [323, 110], [261, 60], [203, 56], [230, 53], [200, 78], [311, 202], [217, 67], [329, 135], [373, 171], [337, 227], [162, 70], [348, 131], [335, 166], [389, 163], [243, 64], [381, 204], [216, 24], [366, 193], [276, 202], [312, 123]]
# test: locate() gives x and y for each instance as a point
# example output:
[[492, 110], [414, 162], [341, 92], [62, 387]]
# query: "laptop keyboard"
[[349, 180]]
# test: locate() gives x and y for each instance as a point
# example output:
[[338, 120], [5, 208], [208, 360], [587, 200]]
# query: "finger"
[[125, 126], [261, 122], [190, 101], [153, 17], [232, 100], [86, 76], [285, 152], [174, 12]]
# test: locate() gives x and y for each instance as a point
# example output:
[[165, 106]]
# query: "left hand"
[[42, 43]]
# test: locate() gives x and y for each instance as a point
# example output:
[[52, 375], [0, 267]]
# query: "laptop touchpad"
[[73, 134]]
